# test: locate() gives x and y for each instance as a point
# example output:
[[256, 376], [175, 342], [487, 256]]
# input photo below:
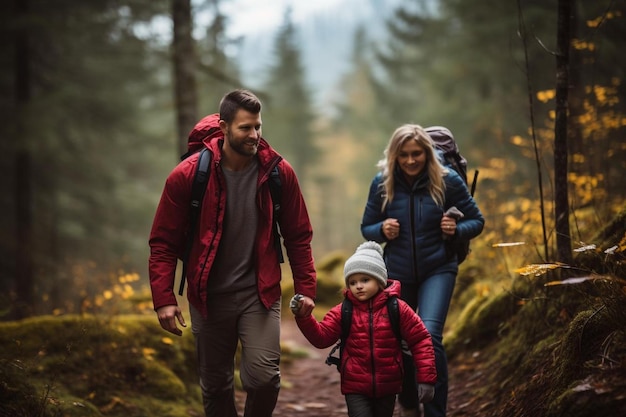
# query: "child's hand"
[[425, 392], [301, 306], [296, 303]]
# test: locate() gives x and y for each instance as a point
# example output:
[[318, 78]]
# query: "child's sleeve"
[[322, 334]]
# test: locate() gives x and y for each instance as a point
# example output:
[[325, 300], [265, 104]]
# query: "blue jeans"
[[431, 298]]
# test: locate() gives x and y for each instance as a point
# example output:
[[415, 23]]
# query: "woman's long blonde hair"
[[434, 169]]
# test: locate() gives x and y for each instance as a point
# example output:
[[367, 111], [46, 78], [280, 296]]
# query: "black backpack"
[[451, 157], [346, 321], [209, 127]]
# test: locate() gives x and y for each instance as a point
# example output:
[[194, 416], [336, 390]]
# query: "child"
[[371, 362]]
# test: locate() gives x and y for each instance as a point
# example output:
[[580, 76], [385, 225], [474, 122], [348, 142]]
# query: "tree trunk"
[[184, 58], [24, 280], [561, 199], [577, 144]]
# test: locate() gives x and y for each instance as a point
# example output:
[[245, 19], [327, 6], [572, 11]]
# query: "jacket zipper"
[[371, 324], [412, 210]]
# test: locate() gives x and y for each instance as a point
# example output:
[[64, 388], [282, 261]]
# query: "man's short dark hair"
[[238, 99]]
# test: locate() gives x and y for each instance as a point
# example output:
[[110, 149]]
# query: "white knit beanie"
[[368, 259]]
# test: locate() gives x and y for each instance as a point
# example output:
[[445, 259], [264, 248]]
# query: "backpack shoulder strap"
[[200, 180], [394, 316], [198, 188], [474, 181], [275, 188], [346, 322], [276, 192]]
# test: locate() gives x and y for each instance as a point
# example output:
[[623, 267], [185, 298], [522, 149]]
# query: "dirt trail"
[[311, 388]]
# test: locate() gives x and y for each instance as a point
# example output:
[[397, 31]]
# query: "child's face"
[[363, 286]]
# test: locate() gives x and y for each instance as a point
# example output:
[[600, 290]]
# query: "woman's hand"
[[448, 225], [391, 228]]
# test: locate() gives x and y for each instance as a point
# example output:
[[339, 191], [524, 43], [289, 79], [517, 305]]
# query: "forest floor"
[[311, 388]]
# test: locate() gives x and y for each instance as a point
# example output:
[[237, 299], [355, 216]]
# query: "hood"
[[393, 287]]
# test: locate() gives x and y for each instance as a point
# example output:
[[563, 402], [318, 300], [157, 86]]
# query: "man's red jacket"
[[171, 223]]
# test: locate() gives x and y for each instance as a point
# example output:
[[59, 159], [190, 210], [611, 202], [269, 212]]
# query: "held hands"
[[301, 306], [167, 317], [425, 392]]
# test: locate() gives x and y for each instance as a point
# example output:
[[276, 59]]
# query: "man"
[[233, 269]]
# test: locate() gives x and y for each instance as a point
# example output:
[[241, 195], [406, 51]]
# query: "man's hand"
[[167, 317]]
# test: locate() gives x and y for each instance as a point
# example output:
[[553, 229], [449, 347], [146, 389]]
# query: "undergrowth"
[[554, 342]]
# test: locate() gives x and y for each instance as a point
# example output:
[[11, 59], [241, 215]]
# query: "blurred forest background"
[[98, 98]]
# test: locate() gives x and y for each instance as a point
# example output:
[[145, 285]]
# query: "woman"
[[405, 208]]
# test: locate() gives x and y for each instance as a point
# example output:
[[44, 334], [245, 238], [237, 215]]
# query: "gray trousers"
[[234, 317]]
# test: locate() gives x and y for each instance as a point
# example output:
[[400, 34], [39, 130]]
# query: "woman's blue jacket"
[[420, 248]]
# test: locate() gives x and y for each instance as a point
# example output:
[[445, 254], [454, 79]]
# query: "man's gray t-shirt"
[[234, 266]]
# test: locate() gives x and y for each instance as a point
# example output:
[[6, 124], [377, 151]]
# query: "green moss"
[[552, 365], [88, 362], [481, 322], [332, 263], [18, 396], [89, 366]]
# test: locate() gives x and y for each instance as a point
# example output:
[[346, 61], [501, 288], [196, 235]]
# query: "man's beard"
[[243, 148]]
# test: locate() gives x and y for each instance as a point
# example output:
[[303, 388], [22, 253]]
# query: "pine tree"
[[288, 112], [88, 73], [218, 71]]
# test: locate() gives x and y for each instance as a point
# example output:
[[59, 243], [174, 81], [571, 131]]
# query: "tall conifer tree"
[[288, 111], [88, 73]]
